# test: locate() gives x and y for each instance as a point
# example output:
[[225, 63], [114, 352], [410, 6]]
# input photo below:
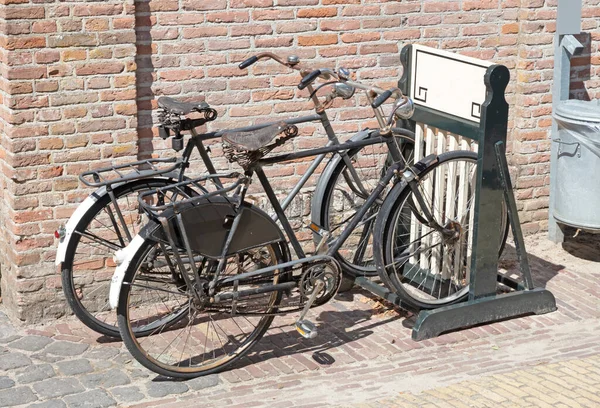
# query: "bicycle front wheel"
[[426, 269], [348, 187], [174, 332]]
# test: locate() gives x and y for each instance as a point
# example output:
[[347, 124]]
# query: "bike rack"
[[448, 99]]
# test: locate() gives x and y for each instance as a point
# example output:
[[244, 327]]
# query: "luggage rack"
[[129, 171], [153, 201]]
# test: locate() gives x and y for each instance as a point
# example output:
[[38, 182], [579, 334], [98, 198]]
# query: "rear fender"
[[79, 213]]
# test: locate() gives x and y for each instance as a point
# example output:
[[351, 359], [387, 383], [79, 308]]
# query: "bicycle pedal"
[[325, 235], [306, 328], [318, 229]]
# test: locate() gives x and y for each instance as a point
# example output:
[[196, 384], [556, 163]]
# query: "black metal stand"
[[484, 304]]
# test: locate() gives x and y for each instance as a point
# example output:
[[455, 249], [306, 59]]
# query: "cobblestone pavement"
[[363, 356]]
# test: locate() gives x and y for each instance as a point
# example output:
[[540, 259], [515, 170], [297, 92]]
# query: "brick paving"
[[363, 356]]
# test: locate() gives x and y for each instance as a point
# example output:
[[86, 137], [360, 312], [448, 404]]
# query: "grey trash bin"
[[577, 195]]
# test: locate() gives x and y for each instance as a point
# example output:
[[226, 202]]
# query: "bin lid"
[[587, 111]]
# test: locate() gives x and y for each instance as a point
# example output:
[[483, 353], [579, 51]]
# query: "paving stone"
[[36, 373], [127, 394], [56, 403], [6, 382], [74, 367], [203, 382], [124, 358], [10, 361], [16, 396], [57, 387], [31, 343], [137, 373], [105, 353], [101, 365], [158, 389], [6, 338], [66, 348], [45, 357], [90, 399], [106, 379]]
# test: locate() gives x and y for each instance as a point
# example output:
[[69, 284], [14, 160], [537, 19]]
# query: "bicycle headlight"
[[404, 108]]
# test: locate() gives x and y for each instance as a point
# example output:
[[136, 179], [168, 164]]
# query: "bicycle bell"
[[293, 60], [344, 74], [404, 108], [344, 91]]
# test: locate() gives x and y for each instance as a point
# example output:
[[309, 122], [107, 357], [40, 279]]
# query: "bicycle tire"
[[351, 265], [74, 292], [146, 352], [409, 251]]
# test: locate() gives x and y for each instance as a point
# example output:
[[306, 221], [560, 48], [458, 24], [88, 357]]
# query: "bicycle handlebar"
[[291, 62], [308, 79], [381, 99], [247, 62]]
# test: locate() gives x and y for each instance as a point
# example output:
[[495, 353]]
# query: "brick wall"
[[79, 81]]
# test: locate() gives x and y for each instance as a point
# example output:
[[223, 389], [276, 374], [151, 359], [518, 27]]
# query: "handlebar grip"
[[307, 80], [381, 99], [246, 63]]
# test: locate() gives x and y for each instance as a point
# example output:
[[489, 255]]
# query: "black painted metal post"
[[489, 196]]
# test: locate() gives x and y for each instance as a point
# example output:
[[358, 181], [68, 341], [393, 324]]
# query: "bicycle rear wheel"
[[346, 191], [190, 338], [426, 269], [88, 265]]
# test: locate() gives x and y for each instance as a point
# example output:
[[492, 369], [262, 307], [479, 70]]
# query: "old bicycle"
[[108, 219], [202, 282]]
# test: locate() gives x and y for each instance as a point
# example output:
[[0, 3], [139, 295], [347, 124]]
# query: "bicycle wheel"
[[346, 191], [426, 269], [207, 337], [88, 265]]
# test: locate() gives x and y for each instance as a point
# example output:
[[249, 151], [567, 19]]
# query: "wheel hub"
[[452, 232]]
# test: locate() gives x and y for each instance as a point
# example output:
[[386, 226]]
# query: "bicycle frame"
[[398, 164], [197, 141]]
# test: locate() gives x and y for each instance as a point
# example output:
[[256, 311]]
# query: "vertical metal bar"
[[187, 153], [164, 222], [279, 211], [206, 158], [188, 248], [225, 251], [512, 212], [112, 218], [111, 194]]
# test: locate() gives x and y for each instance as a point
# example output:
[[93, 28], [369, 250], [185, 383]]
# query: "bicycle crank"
[[306, 328]]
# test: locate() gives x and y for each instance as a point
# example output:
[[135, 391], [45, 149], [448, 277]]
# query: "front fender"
[[74, 220], [320, 190]]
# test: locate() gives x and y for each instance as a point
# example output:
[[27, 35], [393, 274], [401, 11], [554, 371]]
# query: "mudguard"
[[123, 259], [319, 194], [204, 223], [61, 251], [316, 206]]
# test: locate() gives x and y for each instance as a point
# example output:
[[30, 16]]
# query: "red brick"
[[317, 39], [318, 12], [100, 68]]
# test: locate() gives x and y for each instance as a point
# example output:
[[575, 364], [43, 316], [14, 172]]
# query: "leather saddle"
[[179, 107], [255, 139]]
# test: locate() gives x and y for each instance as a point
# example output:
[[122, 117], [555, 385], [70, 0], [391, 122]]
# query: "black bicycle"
[[109, 219], [206, 276]]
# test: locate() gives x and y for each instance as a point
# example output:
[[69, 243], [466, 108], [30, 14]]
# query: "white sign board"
[[448, 82]]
